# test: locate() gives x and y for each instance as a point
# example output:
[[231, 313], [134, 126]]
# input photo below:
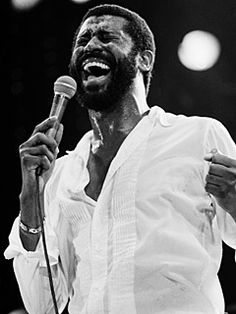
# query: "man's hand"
[[40, 150], [221, 181]]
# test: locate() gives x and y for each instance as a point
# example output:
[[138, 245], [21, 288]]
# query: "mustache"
[[79, 57]]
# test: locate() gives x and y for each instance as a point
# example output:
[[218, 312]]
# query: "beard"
[[122, 79]]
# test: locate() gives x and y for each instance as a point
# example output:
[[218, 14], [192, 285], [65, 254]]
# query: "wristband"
[[30, 230]]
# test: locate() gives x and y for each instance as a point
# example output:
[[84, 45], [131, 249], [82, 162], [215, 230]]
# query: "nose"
[[93, 44]]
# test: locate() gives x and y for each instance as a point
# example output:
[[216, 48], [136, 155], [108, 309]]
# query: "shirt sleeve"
[[32, 275], [220, 138], [15, 246]]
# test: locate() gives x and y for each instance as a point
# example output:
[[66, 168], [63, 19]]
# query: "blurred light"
[[80, 1], [18, 311], [199, 50], [24, 4]]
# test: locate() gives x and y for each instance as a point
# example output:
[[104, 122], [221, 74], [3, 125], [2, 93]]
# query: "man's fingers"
[[40, 139], [33, 162], [228, 173], [40, 150], [44, 126], [220, 185], [221, 180], [212, 179], [217, 170], [214, 190], [217, 158]]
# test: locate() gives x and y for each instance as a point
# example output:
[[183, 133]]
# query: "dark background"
[[35, 51]]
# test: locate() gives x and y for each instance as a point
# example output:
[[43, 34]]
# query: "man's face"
[[103, 62]]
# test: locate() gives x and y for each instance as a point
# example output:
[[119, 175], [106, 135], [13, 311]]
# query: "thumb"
[[209, 156], [59, 133]]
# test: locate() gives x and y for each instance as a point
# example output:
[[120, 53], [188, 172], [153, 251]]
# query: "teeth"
[[97, 64]]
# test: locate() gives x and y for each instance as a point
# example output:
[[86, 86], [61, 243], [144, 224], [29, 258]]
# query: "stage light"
[[80, 1], [199, 50], [24, 4]]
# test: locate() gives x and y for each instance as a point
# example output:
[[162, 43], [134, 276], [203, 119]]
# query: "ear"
[[145, 60]]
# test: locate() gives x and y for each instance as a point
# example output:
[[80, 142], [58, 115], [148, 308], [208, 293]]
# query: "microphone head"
[[66, 86]]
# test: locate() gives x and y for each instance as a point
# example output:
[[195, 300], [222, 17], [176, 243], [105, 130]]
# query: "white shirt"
[[151, 243]]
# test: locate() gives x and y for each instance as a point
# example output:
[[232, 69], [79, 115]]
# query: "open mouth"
[[95, 71]]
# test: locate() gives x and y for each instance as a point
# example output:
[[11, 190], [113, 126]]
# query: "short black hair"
[[136, 27]]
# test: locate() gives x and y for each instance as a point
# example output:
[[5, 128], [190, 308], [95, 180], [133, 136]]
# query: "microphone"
[[64, 89]]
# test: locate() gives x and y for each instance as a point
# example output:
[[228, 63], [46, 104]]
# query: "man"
[[136, 214]]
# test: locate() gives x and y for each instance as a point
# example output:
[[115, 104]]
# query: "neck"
[[110, 128]]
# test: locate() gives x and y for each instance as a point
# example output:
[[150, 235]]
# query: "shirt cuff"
[[15, 246]]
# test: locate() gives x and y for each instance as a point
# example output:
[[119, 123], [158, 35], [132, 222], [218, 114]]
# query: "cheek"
[[120, 48], [76, 52]]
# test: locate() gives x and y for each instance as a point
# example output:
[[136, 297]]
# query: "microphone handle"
[[58, 107]]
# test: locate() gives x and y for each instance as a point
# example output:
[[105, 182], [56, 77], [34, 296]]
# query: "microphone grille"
[[65, 85]]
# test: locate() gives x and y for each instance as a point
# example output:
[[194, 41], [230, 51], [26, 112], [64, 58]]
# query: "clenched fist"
[[221, 181]]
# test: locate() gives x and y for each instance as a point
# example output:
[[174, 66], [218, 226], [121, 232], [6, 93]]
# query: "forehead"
[[104, 22]]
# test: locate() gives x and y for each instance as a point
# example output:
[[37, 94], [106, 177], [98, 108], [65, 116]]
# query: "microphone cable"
[[37, 174], [64, 89]]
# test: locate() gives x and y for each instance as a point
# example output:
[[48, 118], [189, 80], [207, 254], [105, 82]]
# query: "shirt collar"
[[155, 115], [158, 115], [77, 174]]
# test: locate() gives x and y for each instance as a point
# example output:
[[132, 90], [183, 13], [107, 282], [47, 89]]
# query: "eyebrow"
[[84, 33], [103, 29], [88, 32]]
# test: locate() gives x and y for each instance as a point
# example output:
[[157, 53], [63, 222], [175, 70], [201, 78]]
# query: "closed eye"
[[107, 37], [104, 36], [83, 39], [82, 42]]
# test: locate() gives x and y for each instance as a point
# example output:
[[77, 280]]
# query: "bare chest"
[[97, 168], [99, 163]]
